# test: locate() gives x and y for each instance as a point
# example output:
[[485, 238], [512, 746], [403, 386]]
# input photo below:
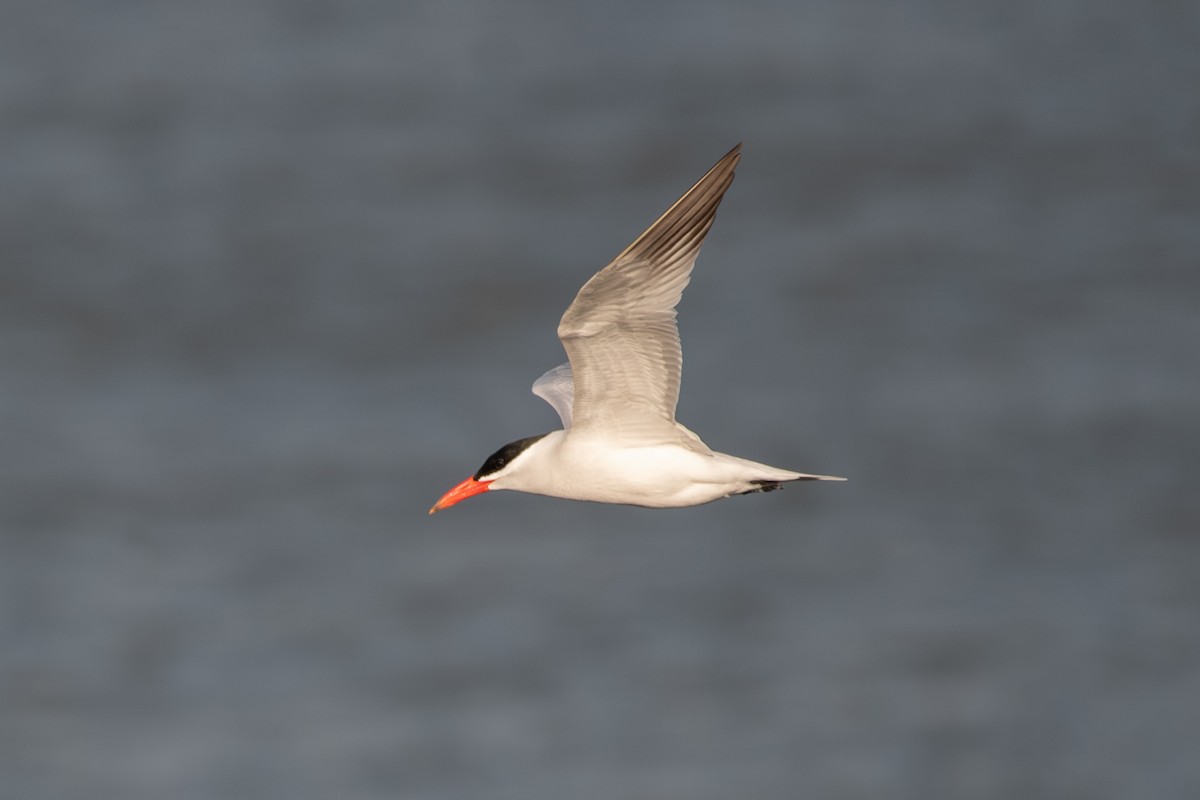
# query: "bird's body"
[[616, 396], [655, 475]]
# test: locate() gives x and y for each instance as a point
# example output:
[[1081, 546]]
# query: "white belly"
[[660, 476]]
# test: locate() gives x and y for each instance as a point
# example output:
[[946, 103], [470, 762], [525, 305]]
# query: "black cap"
[[499, 459]]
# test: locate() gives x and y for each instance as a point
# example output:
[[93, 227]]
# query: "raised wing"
[[620, 331], [557, 388]]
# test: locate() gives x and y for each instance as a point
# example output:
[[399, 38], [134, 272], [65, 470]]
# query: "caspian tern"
[[616, 396]]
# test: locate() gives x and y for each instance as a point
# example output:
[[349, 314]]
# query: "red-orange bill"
[[467, 488]]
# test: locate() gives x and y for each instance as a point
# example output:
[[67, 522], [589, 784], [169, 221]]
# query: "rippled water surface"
[[275, 275]]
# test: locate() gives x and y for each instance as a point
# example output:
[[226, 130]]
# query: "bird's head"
[[496, 470]]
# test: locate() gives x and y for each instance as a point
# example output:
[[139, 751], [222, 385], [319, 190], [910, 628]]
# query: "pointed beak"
[[467, 488]]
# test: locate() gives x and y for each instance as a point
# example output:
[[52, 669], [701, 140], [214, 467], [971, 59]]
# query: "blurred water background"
[[274, 275]]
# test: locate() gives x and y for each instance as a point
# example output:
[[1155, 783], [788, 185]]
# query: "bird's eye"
[[499, 459]]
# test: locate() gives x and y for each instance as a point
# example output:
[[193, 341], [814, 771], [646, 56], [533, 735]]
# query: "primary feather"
[[620, 333]]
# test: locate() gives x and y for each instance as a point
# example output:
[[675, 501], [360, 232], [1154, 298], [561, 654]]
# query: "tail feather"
[[761, 477], [802, 476], [772, 485]]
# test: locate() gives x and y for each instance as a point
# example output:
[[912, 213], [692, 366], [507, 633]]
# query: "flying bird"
[[620, 442]]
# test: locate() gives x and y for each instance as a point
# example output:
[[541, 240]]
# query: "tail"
[[768, 474], [760, 477], [803, 476], [770, 486]]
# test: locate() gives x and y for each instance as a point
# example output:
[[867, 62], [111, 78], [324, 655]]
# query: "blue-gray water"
[[276, 275]]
